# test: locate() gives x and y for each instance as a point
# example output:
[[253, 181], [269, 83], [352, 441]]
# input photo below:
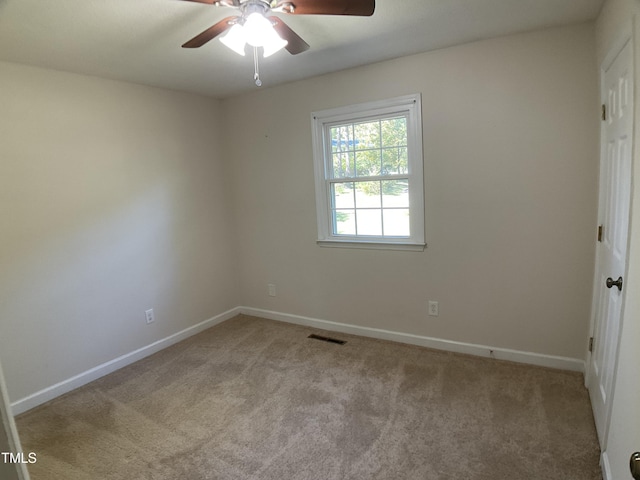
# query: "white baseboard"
[[92, 374], [605, 467], [49, 393], [551, 361]]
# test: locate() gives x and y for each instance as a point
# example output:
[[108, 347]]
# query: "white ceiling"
[[140, 40]]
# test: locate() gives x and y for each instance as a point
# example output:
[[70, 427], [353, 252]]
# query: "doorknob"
[[634, 465], [611, 282]]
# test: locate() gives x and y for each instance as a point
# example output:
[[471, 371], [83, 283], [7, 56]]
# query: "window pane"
[[394, 132], [369, 222], [396, 222], [395, 161], [395, 193], [367, 163], [368, 195], [343, 165], [403, 160], [390, 161], [343, 195], [341, 138], [344, 222], [367, 135]]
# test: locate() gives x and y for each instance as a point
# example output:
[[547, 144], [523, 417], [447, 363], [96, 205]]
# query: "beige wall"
[[113, 200], [510, 148], [618, 19]]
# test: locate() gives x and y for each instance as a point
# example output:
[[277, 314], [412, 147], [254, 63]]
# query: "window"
[[368, 169]]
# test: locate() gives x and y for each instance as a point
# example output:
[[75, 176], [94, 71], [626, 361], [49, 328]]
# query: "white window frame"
[[409, 106]]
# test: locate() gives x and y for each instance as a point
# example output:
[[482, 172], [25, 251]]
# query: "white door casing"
[[613, 215], [9, 438]]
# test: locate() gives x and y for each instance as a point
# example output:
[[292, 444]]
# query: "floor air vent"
[[327, 339]]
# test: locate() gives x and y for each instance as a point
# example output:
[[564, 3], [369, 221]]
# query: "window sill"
[[412, 247]]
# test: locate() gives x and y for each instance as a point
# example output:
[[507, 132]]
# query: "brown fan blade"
[[210, 33], [296, 44], [362, 8]]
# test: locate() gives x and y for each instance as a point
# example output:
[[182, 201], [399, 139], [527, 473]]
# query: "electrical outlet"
[[433, 308], [271, 288], [149, 316]]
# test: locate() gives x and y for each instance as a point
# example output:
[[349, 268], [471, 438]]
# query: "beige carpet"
[[256, 399]]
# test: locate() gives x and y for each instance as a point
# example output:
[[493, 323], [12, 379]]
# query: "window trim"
[[407, 105]]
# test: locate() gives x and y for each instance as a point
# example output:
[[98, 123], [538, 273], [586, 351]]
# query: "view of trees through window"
[[370, 187]]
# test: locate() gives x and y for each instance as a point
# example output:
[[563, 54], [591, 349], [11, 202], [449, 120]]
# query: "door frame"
[[9, 429], [624, 38]]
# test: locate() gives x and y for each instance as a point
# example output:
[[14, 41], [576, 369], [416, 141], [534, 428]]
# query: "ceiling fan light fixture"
[[235, 39], [257, 28], [255, 25], [272, 42], [257, 31], [273, 45]]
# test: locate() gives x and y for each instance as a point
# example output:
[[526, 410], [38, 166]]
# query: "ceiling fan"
[[255, 26]]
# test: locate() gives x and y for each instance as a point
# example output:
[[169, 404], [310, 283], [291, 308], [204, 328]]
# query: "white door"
[[615, 190]]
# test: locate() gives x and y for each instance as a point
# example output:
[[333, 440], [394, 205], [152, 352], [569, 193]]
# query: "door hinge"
[[600, 230], [604, 112], [591, 344]]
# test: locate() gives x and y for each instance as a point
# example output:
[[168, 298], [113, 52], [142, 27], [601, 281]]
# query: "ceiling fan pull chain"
[[256, 69]]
